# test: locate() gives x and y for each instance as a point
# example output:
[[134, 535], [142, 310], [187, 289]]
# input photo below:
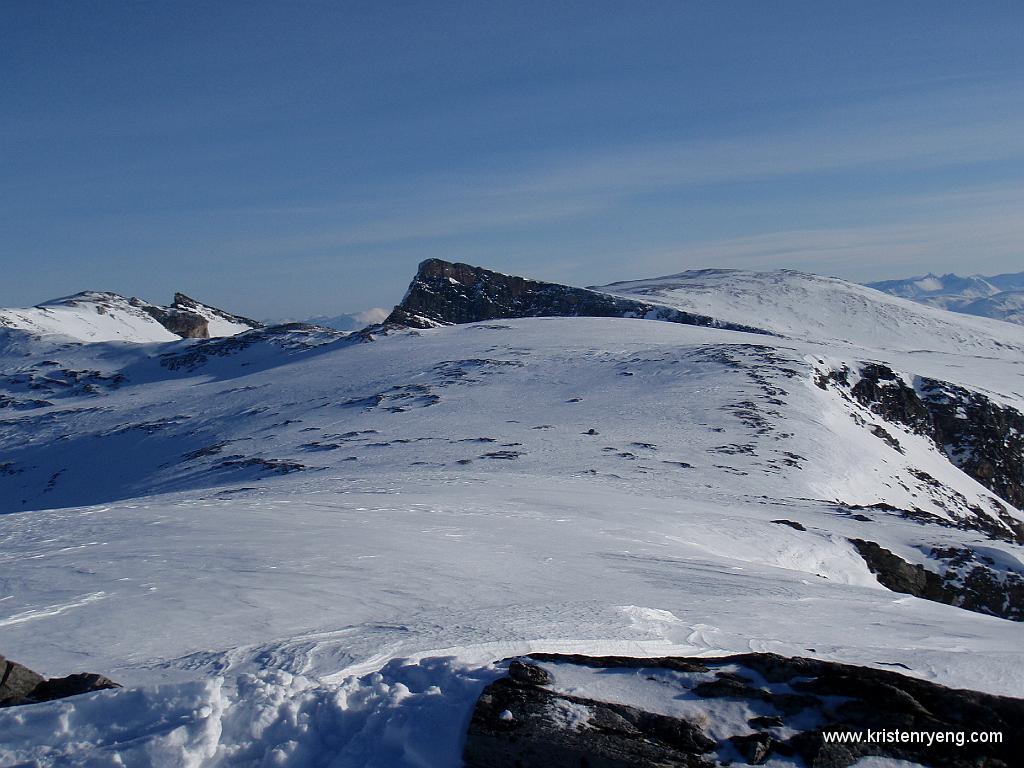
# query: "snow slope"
[[297, 547]]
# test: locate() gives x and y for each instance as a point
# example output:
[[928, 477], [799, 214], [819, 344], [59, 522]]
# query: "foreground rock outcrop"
[[20, 685], [445, 293], [739, 709]]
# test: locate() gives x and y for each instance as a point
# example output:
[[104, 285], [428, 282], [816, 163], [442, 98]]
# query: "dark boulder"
[[527, 674]]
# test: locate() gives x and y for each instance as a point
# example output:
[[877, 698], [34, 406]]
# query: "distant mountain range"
[[350, 322], [997, 296]]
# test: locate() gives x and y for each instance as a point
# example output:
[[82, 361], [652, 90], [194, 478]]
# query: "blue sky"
[[286, 159]]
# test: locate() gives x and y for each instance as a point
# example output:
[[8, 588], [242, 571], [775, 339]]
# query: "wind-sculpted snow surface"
[[299, 547]]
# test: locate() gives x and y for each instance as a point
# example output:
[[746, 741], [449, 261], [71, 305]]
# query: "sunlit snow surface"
[[312, 552]]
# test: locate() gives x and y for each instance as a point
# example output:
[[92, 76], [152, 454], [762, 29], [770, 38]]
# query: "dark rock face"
[[984, 439], [885, 393], [895, 573], [443, 293], [525, 725], [20, 685], [967, 580]]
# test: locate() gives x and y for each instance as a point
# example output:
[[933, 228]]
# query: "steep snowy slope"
[[302, 547], [101, 316]]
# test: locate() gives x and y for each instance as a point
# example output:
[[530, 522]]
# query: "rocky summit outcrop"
[[788, 708], [20, 685], [189, 318], [446, 293], [188, 325]]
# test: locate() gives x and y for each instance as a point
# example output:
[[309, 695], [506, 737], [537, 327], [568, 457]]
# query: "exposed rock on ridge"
[[189, 318], [445, 293]]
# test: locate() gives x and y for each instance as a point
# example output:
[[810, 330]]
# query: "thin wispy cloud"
[[883, 135], [317, 171]]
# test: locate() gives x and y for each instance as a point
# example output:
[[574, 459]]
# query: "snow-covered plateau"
[[296, 546]]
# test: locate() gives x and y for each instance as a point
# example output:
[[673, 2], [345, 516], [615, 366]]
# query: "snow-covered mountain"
[[352, 321], [1005, 305], [305, 547], [823, 309], [997, 296], [103, 316]]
